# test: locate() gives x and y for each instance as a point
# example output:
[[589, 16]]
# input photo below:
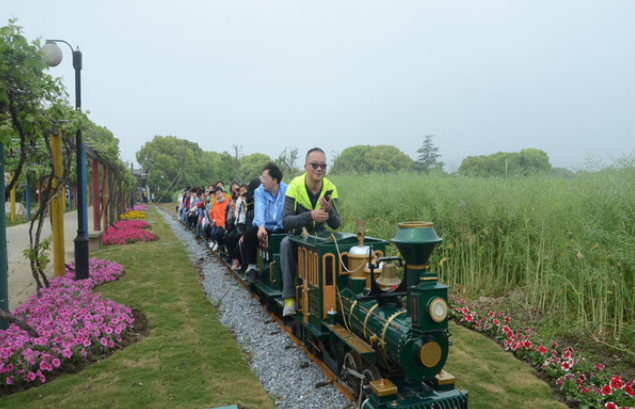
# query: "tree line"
[[172, 162]]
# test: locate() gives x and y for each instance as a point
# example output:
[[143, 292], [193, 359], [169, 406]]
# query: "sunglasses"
[[315, 165]]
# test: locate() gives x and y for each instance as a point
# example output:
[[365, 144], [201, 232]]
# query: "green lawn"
[[494, 377]]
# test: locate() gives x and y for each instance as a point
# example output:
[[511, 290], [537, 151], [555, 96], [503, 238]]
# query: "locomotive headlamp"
[[438, 310]]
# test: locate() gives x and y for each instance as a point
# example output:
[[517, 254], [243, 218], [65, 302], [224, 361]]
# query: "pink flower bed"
[[588, 384], [127, 231], [140, 208], [72, 322]]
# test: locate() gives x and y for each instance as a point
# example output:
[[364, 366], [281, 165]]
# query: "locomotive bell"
[[388, 277]]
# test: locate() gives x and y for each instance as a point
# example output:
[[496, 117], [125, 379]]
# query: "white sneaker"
[[215, 248], [289, 310]]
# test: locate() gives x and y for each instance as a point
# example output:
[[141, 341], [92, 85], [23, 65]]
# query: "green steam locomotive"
[[385, 337]]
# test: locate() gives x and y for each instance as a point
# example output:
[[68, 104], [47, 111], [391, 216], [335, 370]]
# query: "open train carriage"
[[269, 288]]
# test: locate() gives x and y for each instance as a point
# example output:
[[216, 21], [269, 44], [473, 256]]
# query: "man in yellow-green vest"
[[310, 202]]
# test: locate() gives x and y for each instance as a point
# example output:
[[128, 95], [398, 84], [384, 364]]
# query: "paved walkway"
[[20, 278]]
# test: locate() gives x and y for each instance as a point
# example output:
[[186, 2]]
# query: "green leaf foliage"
[[175, 163], [507, 164], [367, 159], [32, 105], [251, 166], [351, 160], [101, 139], [217, 166]]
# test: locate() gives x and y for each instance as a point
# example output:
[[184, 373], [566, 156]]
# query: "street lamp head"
[[52, 54]]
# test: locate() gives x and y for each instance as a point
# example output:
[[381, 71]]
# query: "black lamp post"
[[53, 56]]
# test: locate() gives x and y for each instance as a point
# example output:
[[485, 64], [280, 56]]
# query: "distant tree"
[[352, 160], [533, 161], [287, 160], [173, 158], [251, 166], [158, 180], [365, 158], [217, 166], [387, 158], [427, 160], [506, 164]]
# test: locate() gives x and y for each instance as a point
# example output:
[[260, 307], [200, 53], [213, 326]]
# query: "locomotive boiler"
[[386, 337]]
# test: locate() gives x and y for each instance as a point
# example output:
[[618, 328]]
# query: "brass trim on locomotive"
[[387, 324], [368, 314]]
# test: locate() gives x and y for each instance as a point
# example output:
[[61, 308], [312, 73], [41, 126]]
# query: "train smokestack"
[[416, 241]]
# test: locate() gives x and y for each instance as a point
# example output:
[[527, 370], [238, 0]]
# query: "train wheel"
[[352, 370], [372, 374]]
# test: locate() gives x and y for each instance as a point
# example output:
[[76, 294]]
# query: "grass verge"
[[189, 359], [494, 377]]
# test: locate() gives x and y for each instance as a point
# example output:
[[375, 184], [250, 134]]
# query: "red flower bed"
[[127, 231], [588, 384]]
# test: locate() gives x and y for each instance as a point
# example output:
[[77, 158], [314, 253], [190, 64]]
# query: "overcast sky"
[[481, 76]]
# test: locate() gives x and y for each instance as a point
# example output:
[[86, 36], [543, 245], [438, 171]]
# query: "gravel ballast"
[[288, 375]]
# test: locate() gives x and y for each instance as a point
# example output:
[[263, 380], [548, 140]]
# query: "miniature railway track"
[[331, 376]]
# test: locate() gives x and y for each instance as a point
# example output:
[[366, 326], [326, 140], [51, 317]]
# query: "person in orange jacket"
[[217, 217]]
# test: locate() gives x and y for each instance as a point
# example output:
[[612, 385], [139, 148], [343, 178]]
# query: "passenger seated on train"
[[206, 222], [186, 205], [268, 205], [230, 218], [196, 211], [220, 184], [233, 190], [249, 218], [251, 192], [238, 229], [310, 202], [218, 218], [179, 201], [192, 215]]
